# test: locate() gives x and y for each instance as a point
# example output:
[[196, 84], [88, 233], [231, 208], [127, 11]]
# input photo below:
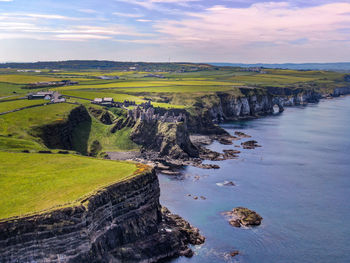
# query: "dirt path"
[[123, 155]]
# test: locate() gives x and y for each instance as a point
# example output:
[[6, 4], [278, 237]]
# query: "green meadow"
[[24, 78], [16, 104], [31, 183]]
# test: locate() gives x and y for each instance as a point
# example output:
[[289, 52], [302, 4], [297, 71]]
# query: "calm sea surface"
[[299, 182]]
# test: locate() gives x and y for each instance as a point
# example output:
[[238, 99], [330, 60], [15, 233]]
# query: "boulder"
[[242, 135], [250, 144], [241, 216]]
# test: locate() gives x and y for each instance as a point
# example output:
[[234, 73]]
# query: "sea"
[[298, 181]]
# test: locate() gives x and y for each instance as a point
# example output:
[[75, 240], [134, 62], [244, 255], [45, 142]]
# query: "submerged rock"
[[226, 183], [242, 135], [241, 216], [250, 144], [234, 253]]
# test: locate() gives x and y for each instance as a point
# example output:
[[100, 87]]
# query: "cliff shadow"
[[80, 137]]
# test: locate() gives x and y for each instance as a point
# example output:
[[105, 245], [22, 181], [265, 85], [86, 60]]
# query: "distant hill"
[[344, 66], [179, 66], [107, 65]]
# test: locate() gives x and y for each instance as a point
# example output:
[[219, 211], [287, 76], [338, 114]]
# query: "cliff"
[[121, 223], [254, 102], [165, 134], [59, 135]]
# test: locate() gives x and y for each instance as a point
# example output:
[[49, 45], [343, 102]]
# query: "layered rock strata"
[[121, 223]]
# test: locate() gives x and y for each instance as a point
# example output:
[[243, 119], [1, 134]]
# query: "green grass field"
[[19, 123], [30, 183], [24, 78], [86, 133], [16, 104]]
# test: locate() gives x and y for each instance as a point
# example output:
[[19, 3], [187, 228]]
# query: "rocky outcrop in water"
[[121, 223], [241, 216]]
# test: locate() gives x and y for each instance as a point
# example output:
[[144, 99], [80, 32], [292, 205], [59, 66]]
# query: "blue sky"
[[177, 30]]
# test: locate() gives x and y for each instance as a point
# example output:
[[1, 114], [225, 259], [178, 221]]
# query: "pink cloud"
[[278, 23]]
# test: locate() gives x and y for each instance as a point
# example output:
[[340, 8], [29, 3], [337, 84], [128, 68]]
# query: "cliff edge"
[[120, 223]]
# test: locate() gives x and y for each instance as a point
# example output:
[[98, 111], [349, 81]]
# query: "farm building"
[[47, 95]]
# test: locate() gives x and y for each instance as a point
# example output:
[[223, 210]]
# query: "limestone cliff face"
[[252, 103], [255, 103], [122, 223], [341, 91], [168, 138], [230, 108]]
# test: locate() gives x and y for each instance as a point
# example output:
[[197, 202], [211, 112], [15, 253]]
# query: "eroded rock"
[[252, 144], [241, 216]]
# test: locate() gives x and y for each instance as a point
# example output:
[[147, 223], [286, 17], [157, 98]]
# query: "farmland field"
[[25, 78]]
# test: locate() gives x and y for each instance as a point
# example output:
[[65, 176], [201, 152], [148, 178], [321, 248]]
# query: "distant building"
[[108, 77], [154, 76], [109, 102], [98, 100], [46, 95]]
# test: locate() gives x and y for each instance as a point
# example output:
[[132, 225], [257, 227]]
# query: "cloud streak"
[[277, 23]]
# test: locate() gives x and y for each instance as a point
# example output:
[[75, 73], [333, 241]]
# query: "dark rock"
[[44, 152], [201, 140], [225, 141], [250, 144], [167, 172], [25, 151], [229, 183], [241, 216], [207, 166], [234, 253], [242, 135], [102, 115], [63, 152], [187, 253], [122, 123], [231, 151], [235, 223]]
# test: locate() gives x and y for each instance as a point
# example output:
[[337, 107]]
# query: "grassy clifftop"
[[30, 183]]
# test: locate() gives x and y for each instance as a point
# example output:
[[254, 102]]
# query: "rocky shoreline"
[[169, 146]]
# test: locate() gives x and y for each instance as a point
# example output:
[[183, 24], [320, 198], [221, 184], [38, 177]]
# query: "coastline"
[[278, 187]]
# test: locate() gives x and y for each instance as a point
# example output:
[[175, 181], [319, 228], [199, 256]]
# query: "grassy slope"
[[16, 128], [11, 105], [31, 183], [118, 141], [19, 123]]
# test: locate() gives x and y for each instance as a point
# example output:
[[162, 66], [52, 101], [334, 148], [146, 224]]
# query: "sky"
[[237, 31]]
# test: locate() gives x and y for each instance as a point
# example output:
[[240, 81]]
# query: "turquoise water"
[[298, 181]]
